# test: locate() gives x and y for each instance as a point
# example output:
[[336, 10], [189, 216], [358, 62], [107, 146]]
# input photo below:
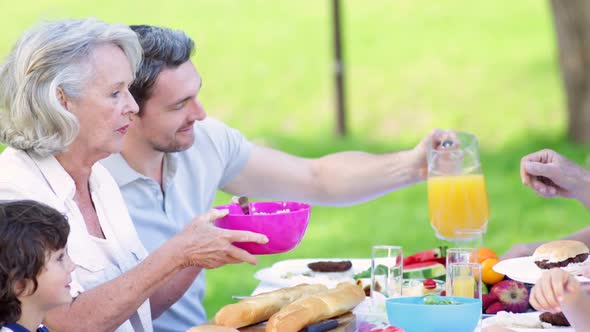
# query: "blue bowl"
[[411, 314]]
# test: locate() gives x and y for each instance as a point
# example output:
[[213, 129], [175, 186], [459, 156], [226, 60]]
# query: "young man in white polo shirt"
[[175, 158]]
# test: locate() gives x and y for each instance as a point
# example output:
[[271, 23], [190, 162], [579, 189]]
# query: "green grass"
[[482, 66]]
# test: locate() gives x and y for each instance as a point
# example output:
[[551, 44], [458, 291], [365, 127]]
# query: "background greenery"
[[488, 67]]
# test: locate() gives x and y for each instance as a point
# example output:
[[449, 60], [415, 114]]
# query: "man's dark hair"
[[29, 232], [162, 48]]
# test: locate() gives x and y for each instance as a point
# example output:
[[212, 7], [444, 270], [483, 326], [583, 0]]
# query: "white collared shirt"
[[191, 179], [25, 176]]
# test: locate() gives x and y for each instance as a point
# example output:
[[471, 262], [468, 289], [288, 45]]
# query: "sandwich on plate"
[[569, 255]]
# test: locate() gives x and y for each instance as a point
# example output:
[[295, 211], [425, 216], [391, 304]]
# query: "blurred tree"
[[572, 25], [339, 70]]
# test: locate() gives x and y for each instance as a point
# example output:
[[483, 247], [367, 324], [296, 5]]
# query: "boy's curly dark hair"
[[29, 232]]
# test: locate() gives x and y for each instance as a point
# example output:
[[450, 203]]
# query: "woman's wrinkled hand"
[[205, 245]]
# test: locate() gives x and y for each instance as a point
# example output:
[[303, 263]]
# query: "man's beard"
[[173, 146]]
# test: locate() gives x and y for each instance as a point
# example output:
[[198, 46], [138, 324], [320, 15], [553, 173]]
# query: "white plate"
[[523, 269], [292, 272], [490, 321]]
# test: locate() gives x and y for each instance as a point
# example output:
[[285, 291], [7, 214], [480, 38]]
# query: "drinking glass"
[[461, 255], [457, 197], [386, 271], [458, 256], [468, 238], [464, 280]]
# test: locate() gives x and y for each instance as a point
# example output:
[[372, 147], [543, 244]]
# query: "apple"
[[494, 308], [488, 299], [513, 295]]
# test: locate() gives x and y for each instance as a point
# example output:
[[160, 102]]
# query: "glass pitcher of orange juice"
[[457, 197]]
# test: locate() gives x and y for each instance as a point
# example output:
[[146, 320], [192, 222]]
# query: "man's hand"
[[555, 287], [210, 247], [419, 153], [550, 174]]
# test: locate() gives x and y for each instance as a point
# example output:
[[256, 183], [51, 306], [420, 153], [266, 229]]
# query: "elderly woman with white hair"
[[66, 105]]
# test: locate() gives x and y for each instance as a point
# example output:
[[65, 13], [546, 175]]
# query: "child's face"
[[54, 280]]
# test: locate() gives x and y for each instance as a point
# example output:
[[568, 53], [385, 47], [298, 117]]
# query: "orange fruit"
[[484, 253], [488, 275]]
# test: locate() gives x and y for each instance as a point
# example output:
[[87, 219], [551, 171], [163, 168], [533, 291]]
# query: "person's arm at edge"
[[576, 308], [582, 235], [527, 249], [584, 196]]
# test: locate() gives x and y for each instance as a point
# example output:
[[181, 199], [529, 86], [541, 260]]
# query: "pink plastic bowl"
[[283, 229]]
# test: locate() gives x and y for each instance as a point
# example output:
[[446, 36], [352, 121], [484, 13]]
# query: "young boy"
[[34, 266]]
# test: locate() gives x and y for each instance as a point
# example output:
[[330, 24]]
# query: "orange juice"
[[457, 202], [464, 286]]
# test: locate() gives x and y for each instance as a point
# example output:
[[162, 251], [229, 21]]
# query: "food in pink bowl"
[[284, 223]]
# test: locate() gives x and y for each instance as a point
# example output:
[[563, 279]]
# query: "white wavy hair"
[[48, 57]]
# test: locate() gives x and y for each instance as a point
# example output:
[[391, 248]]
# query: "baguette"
[[211, 328], [258, 308], [315, 308]]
